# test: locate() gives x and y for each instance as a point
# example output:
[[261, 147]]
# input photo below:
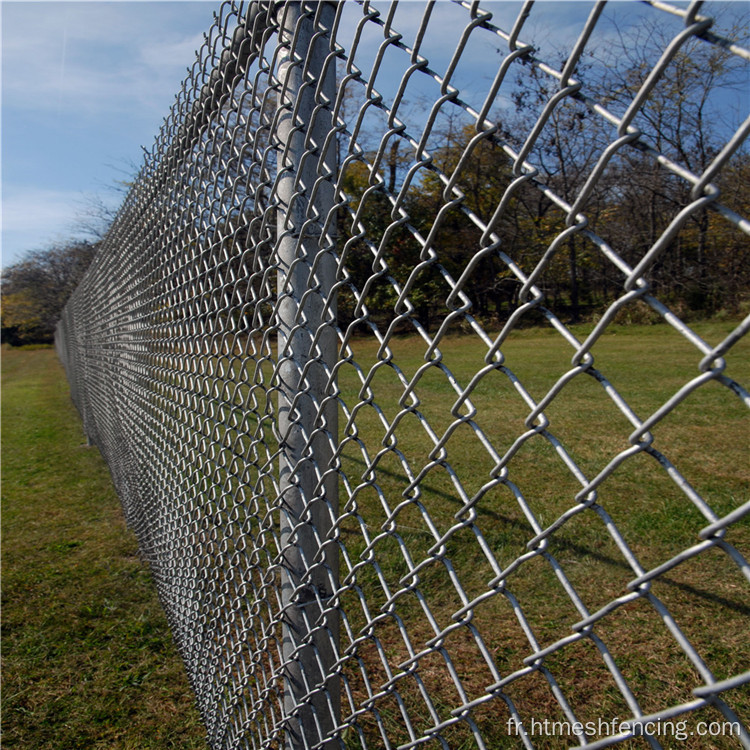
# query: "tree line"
[[35, 290], [705, 268]]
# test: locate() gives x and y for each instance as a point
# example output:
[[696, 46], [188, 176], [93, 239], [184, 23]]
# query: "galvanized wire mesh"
[[366, 538]]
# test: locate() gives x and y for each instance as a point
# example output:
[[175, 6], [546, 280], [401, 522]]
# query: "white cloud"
[[34, 217], [166, 54], [95, 57], [34, 208], [83, 83]]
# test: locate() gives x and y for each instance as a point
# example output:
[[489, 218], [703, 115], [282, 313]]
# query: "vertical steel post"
[[307, 350]]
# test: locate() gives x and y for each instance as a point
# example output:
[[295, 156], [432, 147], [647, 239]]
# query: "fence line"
[[380, 509]]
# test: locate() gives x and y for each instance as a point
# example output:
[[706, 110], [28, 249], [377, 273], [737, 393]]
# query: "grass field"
[[88, 660], [707, 437], [50, 477]]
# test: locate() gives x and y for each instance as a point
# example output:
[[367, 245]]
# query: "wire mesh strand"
[[366, 529]]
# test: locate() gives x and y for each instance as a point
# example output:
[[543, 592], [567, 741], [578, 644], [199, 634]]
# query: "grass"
[[706, 437], [413, 586], [88, 660]]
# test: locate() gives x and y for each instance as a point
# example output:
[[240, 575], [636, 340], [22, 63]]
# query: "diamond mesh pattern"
[[373, 519]]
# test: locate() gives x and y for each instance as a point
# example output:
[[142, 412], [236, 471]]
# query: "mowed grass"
[[87, 657], [706, 437]]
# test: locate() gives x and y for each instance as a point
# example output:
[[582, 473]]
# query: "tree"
[[687, 117], [35, 290], [482, 172]]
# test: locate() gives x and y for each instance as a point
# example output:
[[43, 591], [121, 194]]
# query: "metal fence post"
[[307, 346]]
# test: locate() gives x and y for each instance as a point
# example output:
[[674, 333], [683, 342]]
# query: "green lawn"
[[707, 437], [88, 660], [82, 626]]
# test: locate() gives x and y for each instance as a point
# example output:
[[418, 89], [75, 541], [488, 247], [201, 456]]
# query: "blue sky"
[[85, 85]]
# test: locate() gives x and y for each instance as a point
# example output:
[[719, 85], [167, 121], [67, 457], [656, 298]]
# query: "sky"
[[84, 86], [87, 85]]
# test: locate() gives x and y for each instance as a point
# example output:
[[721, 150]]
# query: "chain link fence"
[[353, 352]]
